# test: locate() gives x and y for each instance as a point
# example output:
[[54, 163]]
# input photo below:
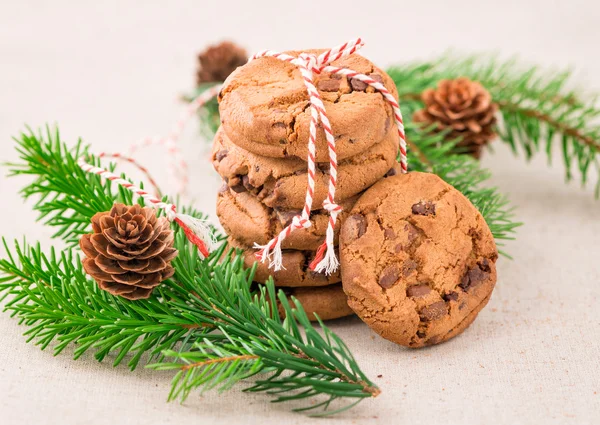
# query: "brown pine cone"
[[220, 60], [463, 106], [130, 251]]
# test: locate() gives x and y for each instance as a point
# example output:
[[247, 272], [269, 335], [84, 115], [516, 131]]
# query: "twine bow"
[[308, 64]]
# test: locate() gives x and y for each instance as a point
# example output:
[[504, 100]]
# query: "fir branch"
[[52, 296], [538, 109], [206, 315], [67, 197], [251, 334]]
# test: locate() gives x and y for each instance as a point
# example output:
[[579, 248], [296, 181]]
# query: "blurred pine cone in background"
[[218, 61], [463, 106]]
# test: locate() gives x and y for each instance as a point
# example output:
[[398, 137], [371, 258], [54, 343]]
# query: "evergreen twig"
[[538, 109], [206, 317]]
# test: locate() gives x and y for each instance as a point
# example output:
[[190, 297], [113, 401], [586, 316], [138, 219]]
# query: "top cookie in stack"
[[261, 152], [264, 108]]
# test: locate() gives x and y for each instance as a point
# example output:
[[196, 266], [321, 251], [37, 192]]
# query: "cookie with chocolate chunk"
[[417, 259], [281, 183], [295, 273], [249, 221], [264, 108], [328, 302]]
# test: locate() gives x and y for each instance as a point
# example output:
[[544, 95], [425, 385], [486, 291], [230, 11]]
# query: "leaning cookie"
[[295, 272], [327, 302], [418, 259], [249, 221], [264, 108], [282, 183]]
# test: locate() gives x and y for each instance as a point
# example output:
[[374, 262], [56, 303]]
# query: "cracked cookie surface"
[[295, 273], [264, 108], [282, 183], [417, 259], [249, 221], [328, 302]]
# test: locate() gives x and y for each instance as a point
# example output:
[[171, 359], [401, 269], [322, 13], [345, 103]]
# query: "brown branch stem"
[[562, 127], [219, 360]]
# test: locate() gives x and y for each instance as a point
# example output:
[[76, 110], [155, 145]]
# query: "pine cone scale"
[[130, 251], [129, 278]]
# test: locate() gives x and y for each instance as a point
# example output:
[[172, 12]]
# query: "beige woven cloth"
[[110, 72]]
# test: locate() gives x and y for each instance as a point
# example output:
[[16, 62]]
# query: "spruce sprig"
[[66, 197], [539, 109], [298, 361], [206, 317]]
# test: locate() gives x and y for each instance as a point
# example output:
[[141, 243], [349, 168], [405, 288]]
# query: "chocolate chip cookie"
[[282, 183], [249, 221], [296, 272], [264, 108], [417, 259], [328, 302]]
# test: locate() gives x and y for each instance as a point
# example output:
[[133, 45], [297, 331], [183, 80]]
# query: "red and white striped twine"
[[197, 231], [178, 166], [308, 64]]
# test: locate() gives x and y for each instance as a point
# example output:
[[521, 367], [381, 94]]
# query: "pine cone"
[[220, 60], [130, 251], [463, 106]]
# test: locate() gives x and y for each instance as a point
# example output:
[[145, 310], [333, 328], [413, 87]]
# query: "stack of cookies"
[[261, 153]]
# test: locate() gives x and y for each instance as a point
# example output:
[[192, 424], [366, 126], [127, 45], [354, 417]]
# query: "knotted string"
[[197, 231], [308, 64]]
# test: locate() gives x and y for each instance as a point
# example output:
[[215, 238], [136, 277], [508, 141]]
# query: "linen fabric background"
[[111, 73]]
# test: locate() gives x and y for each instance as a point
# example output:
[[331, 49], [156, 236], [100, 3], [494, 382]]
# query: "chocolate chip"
[[237, 184], [389, 233], [238, 188], [377, 77], [221, 154], [408, 267], [389, 276], [282, 142], [450, 296], [485, 265], [286, 216], [357, 223], [279, 125], [424, 208], [358, 85], [257, 168], [433, 311], [475, 276], [417, 291], [329, 85], [391, 172], [247, 184]]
